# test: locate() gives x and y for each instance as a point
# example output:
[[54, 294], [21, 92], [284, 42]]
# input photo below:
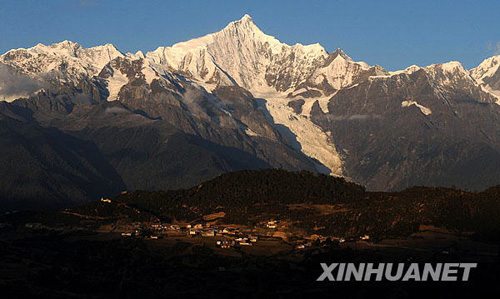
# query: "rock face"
[[240, 99], [430, 127]]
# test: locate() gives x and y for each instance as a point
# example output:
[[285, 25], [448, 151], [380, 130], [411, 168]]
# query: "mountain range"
[[80, 123]]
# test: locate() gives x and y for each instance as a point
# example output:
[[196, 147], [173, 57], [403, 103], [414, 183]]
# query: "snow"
[[149, 73], [298, 91], [139, 54], [447, 67], [312, 140], [340, 73], [409, 70], [76, 61], [451, 66], [426, 111], [250, 132], [495, 93], [307, 107], [486, 69], [313, 50], [448, 74], [380, 77], [115, 83], [240, 54], [322, 101]]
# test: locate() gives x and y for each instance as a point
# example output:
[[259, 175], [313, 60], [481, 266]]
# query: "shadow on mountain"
[[46, 168]]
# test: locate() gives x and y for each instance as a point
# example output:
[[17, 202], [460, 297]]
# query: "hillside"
[[309, 203]]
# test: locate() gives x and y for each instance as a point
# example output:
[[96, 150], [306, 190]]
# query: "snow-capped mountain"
[[337, 71], [65, 60], [434, 122], [451, 79], [239, 98], [241, 54], [487, 74]]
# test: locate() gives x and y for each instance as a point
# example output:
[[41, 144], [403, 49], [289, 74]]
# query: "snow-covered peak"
[[71, 49], [65, 59], [140, 54], [338, 71], [487, 69], [339, 54], [236, 31], [64, 48], [246, 18], [487, 74], [409, 70], [452, 66], [449, 73], [452, 78], [312, 50], [241, 54], [246, 29], [101, 55]]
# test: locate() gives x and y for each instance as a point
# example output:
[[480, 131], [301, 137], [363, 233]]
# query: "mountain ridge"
[[239, 98], [197, 59]]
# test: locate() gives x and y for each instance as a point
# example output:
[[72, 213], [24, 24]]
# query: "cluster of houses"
[[273, 224], [233, 237], [225, 243], [154, 231], [236, 237], [239, 241], [105, 200], [321, 240], [364, 238]]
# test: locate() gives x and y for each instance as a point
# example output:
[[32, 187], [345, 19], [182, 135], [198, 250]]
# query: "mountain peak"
[[450, 67], [69, 48], [487, 69], [340, 53], [65, 57], [246, 23], [64, 44], [246, 18], [64, 48]]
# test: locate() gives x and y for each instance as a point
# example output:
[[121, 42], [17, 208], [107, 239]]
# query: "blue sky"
[[393, 34]]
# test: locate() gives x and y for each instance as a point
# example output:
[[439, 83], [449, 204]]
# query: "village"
[[231, 236]]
